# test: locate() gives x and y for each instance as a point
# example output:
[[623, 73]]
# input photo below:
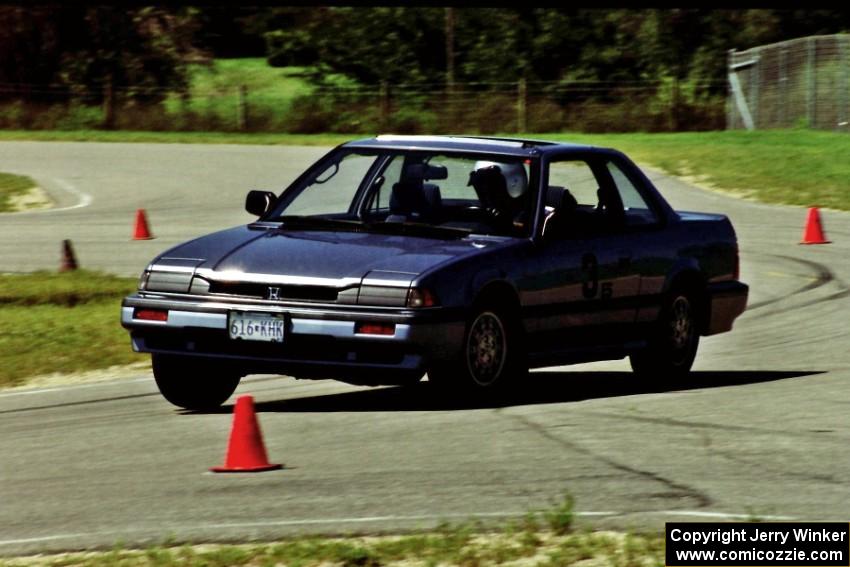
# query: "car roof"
[[477, 144]]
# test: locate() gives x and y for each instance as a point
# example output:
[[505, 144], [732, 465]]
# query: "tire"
[[674, 341], [193, 383], [492, 357]]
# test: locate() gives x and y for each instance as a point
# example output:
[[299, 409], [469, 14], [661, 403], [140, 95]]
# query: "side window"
[[576, 177], [573, 207], [636, 209]]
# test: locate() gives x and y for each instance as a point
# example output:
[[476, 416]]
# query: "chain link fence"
[[797, 83]]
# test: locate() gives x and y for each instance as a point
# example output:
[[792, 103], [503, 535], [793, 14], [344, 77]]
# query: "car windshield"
[[412, 192]]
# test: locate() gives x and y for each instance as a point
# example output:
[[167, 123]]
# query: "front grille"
[[262, 291]]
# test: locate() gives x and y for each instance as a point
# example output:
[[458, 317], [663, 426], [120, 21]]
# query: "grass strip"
[[61, 323], [545, 538], [67, 289], [12, 186], [462, 546]]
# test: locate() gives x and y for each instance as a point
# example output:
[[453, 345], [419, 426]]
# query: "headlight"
[[383, 296], [173, 282]]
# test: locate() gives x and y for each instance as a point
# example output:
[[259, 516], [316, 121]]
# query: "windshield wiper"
[[406, 228], [418, 229], [299, 221]]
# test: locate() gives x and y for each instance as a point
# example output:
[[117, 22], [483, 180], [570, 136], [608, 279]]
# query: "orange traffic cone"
[[813, 232], [245, 451], [141, 231], [69, 261]]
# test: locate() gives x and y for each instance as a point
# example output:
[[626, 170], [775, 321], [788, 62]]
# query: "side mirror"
[[258, 203]]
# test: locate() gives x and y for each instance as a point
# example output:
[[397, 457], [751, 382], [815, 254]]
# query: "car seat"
[[563, 215], [414, 200]]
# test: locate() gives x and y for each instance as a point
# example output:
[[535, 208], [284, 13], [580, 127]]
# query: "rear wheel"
[[492, 356], [673, 345], [193, 383]]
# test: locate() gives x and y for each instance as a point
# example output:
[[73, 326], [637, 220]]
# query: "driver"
[[502, 189]]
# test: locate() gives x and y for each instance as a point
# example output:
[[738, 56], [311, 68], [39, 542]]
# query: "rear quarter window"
[[578, 178], [637, 210]]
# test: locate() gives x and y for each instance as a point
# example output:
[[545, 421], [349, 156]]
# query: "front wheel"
[[491, 358], [193, 383], [673, 345]]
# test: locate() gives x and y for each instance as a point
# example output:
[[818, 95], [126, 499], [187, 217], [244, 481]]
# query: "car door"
[[581, 282], [643, 226]]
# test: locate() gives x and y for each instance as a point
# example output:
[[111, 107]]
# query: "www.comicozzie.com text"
[[757, 534]]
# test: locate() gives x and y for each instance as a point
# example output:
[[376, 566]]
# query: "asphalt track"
[[760, 430]]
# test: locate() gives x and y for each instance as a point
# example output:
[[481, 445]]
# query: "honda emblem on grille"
[[274, 293]]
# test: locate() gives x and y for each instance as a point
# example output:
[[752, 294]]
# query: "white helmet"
[[514, 174]]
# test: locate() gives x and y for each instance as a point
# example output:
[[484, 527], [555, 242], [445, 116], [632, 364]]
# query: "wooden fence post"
[[108, 104], [844, 86], [783, 87], [384, 105], [522, 106], [810, 82], [674, 106], [242, 107]]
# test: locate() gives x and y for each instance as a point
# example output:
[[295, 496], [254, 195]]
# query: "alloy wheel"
[[681, 328], [486, 348]]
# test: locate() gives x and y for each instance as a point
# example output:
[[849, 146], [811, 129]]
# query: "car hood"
[[342, 256]]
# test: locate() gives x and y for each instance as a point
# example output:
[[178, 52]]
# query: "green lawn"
[[269, 91], [61, 323], [214, 88], [11, 186], [224, 75]]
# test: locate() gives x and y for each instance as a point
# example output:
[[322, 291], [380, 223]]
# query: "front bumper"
[[319, 341]]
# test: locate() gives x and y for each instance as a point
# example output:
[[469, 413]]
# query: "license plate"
[[266, 327]]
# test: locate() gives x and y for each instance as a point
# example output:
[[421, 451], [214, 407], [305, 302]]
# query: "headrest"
[[432, 196], [554, 195], [560, 198], [416, 200], [568, 202]]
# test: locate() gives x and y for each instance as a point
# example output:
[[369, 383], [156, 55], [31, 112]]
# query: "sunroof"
[[437, 139]]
